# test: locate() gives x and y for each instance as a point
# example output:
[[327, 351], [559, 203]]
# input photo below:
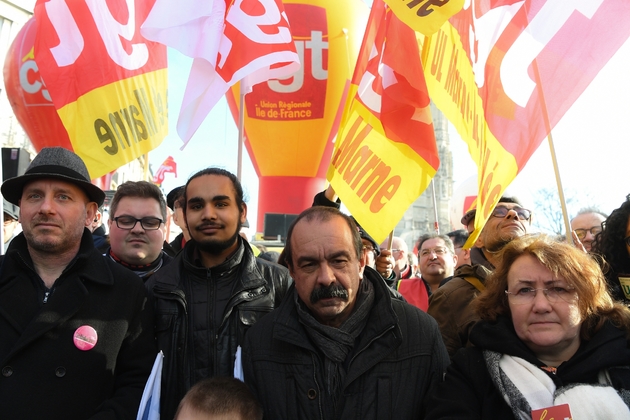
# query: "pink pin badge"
[[85, 338]]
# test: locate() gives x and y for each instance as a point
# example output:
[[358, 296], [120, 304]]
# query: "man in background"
[[586, 224]]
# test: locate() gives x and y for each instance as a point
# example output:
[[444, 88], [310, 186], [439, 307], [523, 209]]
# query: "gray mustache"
[[333, 291]]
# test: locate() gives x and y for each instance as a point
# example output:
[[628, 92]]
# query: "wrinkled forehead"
[[432, 243]]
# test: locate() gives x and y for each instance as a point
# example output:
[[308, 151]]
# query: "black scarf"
[[337, 343]]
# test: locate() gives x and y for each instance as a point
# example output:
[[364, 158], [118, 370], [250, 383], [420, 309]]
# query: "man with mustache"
[[213, 291], [339, 346], [137, 228], [451, 304]]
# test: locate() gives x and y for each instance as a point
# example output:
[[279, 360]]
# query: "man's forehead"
[[210, 185], [432, 242], [139, 203], [509, 205]]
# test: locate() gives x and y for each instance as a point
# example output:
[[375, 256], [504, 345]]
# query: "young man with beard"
[[340, 346], [213, 291], [450, 305]]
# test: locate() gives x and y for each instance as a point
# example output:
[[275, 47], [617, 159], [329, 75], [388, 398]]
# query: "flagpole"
[[241, 129], [435, 211], [554, 160]]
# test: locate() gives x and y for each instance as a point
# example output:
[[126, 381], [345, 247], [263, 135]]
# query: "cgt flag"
[[425, 16], [106, 81], [229, 40], [168, 166], [504, 72], [385, 154]]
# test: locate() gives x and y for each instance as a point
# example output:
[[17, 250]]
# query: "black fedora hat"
[[53, 162], [174, 195]]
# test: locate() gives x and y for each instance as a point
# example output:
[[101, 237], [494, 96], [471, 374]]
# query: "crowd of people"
[[521, 325]]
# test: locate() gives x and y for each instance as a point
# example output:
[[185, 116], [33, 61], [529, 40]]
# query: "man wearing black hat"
[[450, 305], [76, 333], [174, 202]]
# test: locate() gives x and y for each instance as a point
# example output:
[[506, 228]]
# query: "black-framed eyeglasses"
[[502, 211], [129, 222], [581, 233]]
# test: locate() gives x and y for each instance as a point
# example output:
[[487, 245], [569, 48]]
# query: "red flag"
[[168, 166], [229, 40], [506, 71], [386, 154]]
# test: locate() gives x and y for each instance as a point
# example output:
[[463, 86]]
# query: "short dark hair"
[[222, 395], [459, 237], [139, 189], [236, 184], [323, 214]]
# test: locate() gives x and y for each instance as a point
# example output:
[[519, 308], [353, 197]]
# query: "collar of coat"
[[18, 258]]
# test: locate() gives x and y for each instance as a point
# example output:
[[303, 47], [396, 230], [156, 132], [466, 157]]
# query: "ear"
[[90, 211], [362, 263], [455, 259], [243, 212]]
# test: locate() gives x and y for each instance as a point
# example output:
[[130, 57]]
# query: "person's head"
[[219, 398], [586, 224], [611, 242], [459, 238], [137, 222], [507, 221], [57, 201], [399, 252], [556, 295], [436, 257], [98, 220], [11, 215], [214, 210], [175, 201], [325, 258], [371, 249]]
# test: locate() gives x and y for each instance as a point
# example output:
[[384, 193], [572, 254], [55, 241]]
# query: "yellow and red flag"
[[385, 155], [425, 16], [106, 81], [504, 72]]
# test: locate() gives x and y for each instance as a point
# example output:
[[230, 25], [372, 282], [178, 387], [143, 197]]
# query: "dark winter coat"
[[450, 305], [397, 359], [260, 287], [44, 374], [469, 393]]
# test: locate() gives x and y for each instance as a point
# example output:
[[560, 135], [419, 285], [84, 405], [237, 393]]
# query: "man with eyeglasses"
[[400, 250], [136, 228], [451, 305], [586, 224]]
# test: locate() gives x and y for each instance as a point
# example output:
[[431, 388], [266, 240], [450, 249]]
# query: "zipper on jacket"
[[46, 294]]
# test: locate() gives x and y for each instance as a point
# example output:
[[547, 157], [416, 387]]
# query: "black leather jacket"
[[261, 287]]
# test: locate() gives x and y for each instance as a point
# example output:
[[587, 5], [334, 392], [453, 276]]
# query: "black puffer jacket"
[[396, 360], [260, 287]]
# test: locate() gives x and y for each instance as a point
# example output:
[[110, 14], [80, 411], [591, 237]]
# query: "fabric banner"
[[504, 73], [229, 41], [385, 154], [425, 16], [107, 82]]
